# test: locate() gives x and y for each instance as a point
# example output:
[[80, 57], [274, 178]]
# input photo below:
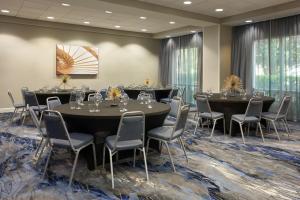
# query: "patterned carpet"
[[218, 168]]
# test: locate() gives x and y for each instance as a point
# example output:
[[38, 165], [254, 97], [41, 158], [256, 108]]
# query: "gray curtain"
[[181, 63], [266, 56]]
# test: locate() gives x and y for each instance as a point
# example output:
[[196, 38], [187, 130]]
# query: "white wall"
[[211, 58], [27, 58]]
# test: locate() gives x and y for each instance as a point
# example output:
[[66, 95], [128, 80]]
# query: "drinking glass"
[[150, 99], [92, 107], [125, 101], [72, 100], [98, 100]]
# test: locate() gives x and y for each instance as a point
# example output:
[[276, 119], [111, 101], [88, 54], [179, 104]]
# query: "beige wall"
[[211, 58], [27, 58], [225, 52]]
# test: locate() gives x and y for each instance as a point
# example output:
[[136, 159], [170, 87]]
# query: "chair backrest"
[[175, 105], [53, 102], [203, 104], [30, 99], [131, 127], [23, 90], [91, 97], [35, 119], [55, 126], [11, 98], [254, 108], [284, 105], [181, 120], [173, 93]]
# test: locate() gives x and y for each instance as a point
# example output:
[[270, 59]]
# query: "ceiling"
[[127, 13]]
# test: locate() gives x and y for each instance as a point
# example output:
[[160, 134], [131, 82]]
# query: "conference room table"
[[62, 94], [233, 105], [160, 93], [105, 122]]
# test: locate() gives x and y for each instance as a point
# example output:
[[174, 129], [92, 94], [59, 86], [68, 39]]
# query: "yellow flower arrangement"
[[147, 82], [233, 83], [64, 80], [114, 93]]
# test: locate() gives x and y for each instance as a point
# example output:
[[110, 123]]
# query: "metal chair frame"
[[16, 107]]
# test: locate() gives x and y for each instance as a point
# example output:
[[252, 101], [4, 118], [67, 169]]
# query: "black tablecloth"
[[160, 93], [63, 95], [233, 105], [104, 123]]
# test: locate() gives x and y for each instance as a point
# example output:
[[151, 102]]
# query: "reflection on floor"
[[218, 168]]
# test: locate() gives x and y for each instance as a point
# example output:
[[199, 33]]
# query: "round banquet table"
[[104, 123], [63, 95], [233, 105], [160, 93]]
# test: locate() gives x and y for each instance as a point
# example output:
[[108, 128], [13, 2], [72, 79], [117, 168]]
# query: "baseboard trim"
[[4, 110]]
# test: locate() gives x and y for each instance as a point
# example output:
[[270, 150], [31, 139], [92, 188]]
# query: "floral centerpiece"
[[147, 82], [114, 94], [64, 81], [233, 84]]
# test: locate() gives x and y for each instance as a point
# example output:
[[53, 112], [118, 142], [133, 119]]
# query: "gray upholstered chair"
[[59, 137], [280, 115], [17, 107], [130, 135], [172, 94], [167, 134], [175, 105], [204, 112], [42, 132], [53, 102], [252, 115], [91, 96]]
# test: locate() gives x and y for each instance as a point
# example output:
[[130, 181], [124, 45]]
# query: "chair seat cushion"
[[164, 133], [169, 121], [19, 105], [123, 145], [271, 116], [37, 108], [212, 115], [165, 100], [78, 140], [241, 118]]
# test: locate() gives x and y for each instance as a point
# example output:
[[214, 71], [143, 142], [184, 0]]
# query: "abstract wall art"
[[72, 60]]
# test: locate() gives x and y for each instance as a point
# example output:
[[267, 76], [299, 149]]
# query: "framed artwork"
[[81, 60]]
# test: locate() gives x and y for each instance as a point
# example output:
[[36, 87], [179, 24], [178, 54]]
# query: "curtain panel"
[[266, 55], [181, 63]]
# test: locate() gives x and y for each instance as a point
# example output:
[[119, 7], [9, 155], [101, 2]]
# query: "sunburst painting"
[[73, 60]]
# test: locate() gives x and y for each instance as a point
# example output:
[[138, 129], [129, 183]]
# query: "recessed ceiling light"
[[249, 21], [65, 4], [168, 36], [187, 2], [50, 17], [5, 11], [143, 17], [219, 10], [117, 26], [172, 22], [193, 31], [108, 12], [144, 30], [87, 22]]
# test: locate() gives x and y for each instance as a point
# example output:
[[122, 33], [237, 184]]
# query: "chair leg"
[[213, 128], [274, 125], [196, 127], [224, 126], [242, 132], [183, 148], [42, 150], [103, 156], [74, 167], [145, 161], [147, 148], [134, 154], [248, 128], [39, 146], [230, 127], [12, 116], [94, 155], [111, 169], [24, 118], [261, 132], [286, 127], [166, 143], [47, 162], [269, 127]]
